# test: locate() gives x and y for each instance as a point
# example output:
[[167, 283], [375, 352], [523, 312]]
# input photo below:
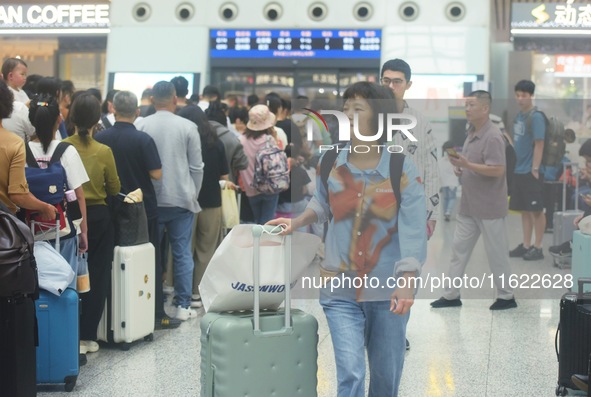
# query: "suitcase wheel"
[[124, 346], [149, 338], [561, 390], [70, 383]]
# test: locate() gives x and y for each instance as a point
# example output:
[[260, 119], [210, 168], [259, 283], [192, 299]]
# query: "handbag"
[[131, 222], [230, 214], [18, 268], [83, 278], [228, 282]]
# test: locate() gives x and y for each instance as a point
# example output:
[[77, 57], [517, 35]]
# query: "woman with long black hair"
[[44, 114]]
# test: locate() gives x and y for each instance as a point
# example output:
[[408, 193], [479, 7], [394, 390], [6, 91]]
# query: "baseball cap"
[[260, 118]]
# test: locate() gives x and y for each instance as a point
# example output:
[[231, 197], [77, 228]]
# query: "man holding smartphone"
[[483, 206]]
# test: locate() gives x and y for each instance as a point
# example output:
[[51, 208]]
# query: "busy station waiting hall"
[[279, 198]]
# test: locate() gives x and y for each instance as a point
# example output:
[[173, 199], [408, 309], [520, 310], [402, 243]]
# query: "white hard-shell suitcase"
[[129, 311]]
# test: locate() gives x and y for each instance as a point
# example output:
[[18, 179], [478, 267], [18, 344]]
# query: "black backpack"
[[18, 269], [396, 165]]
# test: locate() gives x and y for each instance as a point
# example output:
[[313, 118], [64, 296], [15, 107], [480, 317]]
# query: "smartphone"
[[452, 152]]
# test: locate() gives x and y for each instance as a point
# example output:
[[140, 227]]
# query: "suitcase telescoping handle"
[[257, 232], [56, 227], [575, 172]]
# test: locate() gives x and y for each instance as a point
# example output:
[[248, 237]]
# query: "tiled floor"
[[455, 352]]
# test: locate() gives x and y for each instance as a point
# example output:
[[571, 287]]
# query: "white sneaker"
[[185, 313], [196, 301], [88, 346]]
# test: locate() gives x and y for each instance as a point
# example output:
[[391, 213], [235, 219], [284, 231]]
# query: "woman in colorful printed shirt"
[[373, 244]]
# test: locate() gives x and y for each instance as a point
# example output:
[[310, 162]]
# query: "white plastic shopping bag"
[[55, 273], [230, 214], [228, 282]]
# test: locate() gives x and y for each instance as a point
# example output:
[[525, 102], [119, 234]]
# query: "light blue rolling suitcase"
[[59, 341], [254, 353], [581, 259]]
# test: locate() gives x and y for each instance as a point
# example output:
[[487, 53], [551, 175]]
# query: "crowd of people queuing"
[[180, 150], [177, 150]]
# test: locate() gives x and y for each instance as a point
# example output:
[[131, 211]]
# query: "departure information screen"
[[295, 43]]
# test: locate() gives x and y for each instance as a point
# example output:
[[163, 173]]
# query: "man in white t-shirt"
[[396, 75], [210, 94]]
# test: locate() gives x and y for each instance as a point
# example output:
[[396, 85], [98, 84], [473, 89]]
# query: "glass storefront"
[[566, 79]]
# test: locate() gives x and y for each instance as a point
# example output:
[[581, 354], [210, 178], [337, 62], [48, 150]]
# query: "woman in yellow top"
[[100, 167]]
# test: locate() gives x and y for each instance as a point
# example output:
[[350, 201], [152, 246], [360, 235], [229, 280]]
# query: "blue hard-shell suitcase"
[[254, 353], [59, 340]]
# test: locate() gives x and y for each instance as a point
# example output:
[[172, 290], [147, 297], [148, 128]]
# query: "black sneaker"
[[565, 249], [442, 302], [534, 254], [407, 345], [166, 322], [518, 251], [503, 304]]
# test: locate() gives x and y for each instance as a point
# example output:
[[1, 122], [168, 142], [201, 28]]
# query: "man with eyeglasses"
[[396, 75]]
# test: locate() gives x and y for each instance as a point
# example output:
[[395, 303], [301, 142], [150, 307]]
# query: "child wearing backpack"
[[44, 114], [267, 174]]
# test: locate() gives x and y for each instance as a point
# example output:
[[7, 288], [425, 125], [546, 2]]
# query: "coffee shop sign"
[[63, 15]]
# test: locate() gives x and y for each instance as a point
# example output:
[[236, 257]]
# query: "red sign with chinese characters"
[[573, 64]]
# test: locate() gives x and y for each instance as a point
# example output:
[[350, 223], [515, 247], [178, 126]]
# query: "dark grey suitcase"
[[18, 338], [273, 353], [573, 337]]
